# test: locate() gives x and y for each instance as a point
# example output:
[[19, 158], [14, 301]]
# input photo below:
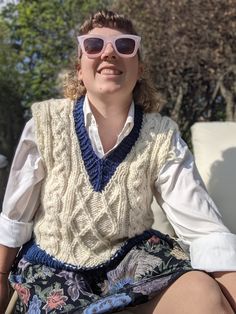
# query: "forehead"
[[105, 31]]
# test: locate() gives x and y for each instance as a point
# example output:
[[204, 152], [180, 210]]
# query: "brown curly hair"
[[144, 92]]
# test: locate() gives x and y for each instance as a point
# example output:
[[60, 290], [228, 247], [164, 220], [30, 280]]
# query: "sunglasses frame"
[[106, 40]]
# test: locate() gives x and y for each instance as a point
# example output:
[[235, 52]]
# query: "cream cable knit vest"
[[75, 224]]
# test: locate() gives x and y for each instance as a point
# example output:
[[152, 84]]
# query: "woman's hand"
[[4, 293], [7, 256]]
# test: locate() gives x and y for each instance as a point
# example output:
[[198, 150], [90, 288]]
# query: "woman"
[[81, 186]]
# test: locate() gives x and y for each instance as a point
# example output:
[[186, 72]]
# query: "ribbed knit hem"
[[34, 254]]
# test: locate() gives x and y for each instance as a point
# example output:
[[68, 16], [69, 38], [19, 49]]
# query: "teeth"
[[110, 71]]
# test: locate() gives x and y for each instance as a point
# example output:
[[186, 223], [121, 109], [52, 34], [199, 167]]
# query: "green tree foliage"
[[43, 35], [37, 39], [190, 47], [11, 117], [11, 111]]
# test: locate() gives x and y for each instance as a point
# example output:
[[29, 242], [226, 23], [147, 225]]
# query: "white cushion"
[[214, 147]]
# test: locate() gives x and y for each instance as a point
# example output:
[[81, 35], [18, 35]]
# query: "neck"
[[109, 108], [110, 115]]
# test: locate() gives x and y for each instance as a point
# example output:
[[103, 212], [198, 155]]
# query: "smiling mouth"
[[110, 72]]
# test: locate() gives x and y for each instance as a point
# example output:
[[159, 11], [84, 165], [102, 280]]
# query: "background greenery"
[[189, 46]]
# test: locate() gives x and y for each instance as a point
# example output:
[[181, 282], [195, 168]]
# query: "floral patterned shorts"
[[149, 267]]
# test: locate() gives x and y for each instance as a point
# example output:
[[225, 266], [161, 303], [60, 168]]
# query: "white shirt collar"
[[88, 115]]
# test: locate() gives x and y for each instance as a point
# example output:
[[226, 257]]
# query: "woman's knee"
[[199, 283], [194, 292], [201, 287]]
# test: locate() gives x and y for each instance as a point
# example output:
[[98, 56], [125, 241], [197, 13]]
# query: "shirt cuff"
[[214, 252], [14, 233]]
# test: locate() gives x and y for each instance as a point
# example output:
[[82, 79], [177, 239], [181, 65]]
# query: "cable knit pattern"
[[82, 223]]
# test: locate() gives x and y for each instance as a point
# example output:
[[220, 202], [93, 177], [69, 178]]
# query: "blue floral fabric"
[[146, 270]]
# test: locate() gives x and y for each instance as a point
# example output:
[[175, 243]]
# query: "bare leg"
[[195, 292], [227, 283]]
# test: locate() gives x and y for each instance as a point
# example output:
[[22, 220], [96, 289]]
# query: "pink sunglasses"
[[126, 46]]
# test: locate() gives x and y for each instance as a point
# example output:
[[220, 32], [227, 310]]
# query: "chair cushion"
[[214, 147]]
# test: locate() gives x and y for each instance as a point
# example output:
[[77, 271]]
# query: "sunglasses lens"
[[125, 46], [93, 45]]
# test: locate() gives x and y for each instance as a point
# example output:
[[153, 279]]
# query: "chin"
[[111, 91]]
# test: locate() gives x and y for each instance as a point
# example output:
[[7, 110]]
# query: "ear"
[[79, 71]]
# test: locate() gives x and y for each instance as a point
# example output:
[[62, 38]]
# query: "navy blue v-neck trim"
[[100, 170]]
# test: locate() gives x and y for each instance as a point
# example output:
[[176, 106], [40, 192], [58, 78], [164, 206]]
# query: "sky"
[[4, 2]]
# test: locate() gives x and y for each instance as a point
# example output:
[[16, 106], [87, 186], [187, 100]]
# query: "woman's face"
[[109, 74]]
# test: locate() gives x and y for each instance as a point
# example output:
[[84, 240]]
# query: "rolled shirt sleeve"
[[21, 199], [192, 213], [14, 233]]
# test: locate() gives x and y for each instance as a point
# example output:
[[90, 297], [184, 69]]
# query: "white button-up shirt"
[[188, 207]]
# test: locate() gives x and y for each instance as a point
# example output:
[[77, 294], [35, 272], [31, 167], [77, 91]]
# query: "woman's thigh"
[[195, 292]]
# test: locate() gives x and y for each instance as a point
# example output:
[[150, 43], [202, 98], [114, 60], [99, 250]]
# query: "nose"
[[109, 52]]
